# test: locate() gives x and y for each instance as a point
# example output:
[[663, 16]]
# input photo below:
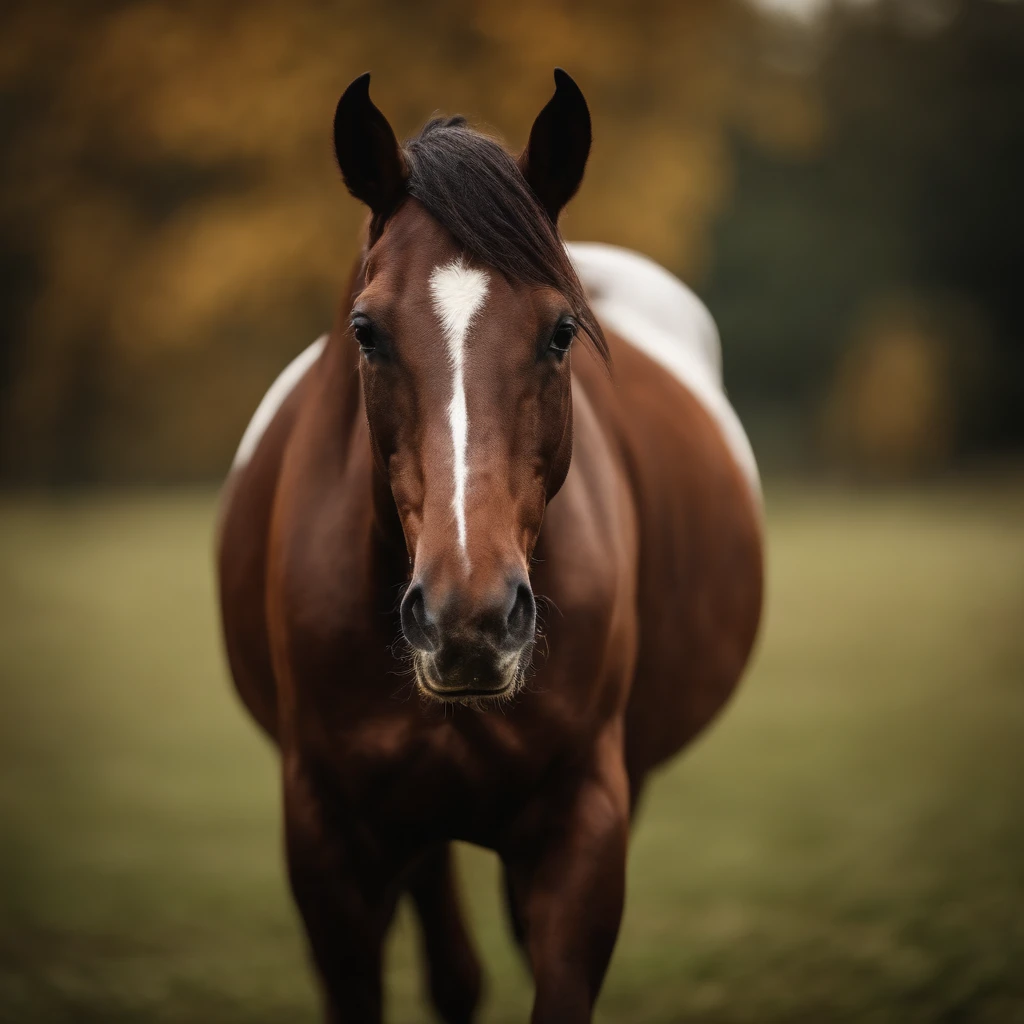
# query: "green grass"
[[847, 844]]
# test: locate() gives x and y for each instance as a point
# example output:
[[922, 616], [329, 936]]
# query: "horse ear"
[[556, 154], [368, 153]]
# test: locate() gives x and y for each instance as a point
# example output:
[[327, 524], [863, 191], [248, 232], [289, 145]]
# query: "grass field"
[[847, 844]]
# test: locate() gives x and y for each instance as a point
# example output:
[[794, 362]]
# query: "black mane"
[[471, 185]]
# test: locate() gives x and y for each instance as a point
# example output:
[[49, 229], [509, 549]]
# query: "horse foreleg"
[[567, 880], [346, 895], [453, 968]]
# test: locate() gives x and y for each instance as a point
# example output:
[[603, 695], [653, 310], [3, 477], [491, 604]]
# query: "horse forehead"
[[413, 245], [458, 292], [412, 237]]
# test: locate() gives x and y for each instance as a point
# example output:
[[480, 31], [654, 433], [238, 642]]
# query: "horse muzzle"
[[470, 649]]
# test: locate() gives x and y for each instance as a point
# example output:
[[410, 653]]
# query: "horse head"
[[464, 322]]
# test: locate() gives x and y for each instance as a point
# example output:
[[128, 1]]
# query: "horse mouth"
[[500, 683]]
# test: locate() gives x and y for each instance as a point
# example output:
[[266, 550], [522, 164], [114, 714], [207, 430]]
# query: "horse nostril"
[[419, 627], [522, 619]]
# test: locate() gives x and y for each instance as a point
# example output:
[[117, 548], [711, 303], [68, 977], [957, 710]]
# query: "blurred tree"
[[914, 190], [173, 223], [172, 226]]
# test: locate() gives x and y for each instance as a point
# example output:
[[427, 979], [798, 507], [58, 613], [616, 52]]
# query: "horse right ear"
[[556, 155], [368, 154]]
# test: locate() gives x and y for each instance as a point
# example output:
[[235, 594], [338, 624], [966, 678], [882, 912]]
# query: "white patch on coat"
[[656, 313], [458, 292], [274, 399]]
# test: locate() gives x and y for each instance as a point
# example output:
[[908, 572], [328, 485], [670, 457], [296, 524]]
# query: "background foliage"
[[843, 191]]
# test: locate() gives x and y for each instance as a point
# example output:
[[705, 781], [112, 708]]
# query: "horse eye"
[[363, 332], [563, 336]]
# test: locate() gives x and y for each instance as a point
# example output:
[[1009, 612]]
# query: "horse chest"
[[454, 773]]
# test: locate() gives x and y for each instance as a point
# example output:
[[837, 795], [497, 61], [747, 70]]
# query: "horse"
[[490, 551]]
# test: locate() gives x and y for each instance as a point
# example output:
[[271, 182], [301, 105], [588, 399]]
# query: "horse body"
[[648, 566]]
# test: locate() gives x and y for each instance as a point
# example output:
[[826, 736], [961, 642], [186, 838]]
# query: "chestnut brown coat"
[[478, 578]]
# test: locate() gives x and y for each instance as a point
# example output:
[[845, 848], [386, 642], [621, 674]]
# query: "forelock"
[[471, 185]]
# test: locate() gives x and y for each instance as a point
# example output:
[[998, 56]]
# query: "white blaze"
[[458, 292]]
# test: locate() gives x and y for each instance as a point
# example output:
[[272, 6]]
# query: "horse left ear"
[[556, 154], [368, 153]]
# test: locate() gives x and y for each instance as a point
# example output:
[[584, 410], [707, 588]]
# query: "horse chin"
[[506, 682]]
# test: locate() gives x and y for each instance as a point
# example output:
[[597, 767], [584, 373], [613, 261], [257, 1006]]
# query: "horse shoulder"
[[700, 567], [242, 538], [697, 494], [585, 565]]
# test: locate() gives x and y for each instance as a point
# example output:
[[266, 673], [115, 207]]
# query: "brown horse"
[[408, 486]]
